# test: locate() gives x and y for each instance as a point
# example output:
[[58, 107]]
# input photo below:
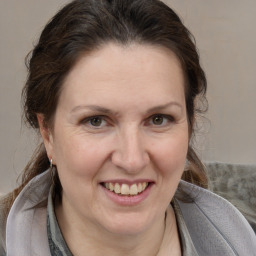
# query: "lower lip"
[[128, 200]]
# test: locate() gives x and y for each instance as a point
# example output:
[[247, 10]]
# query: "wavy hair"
[[86, 25]]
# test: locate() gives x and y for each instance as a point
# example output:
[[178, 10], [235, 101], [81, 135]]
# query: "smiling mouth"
[[125, 189]]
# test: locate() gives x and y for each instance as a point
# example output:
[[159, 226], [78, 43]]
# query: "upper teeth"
[[125, 189]]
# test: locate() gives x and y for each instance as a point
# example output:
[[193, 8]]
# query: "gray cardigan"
[[215, 226]]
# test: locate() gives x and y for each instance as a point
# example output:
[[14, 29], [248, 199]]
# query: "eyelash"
[[167, 118], [149, 121], [87, 121]]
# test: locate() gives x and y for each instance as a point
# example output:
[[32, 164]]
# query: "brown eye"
[[96, 121], [158, 120]]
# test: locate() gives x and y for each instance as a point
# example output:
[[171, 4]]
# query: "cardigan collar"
[[214, 225]]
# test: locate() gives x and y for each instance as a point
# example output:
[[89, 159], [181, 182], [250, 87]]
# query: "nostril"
[[130, 163]]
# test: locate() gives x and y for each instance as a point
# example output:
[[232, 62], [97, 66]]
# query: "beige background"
[[226, 37]]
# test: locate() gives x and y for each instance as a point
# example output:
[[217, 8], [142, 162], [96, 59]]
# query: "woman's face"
[[120, 137]]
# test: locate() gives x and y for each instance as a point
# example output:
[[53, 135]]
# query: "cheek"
[[170, 155], [76, 157], [79, 162]]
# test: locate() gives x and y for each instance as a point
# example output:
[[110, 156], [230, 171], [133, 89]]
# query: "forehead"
[[137, 71]]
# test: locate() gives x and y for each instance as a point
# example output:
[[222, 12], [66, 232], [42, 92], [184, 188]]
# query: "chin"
[[129, 224]]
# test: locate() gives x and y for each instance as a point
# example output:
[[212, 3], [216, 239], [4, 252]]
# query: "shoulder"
[[26, 223], [3, 218], [212, 220]]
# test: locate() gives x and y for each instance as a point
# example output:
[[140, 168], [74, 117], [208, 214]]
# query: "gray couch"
[[236, 183]]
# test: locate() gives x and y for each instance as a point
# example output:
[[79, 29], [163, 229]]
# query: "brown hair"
[[85, 25]]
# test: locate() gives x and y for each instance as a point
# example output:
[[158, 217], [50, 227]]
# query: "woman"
[[113, 87]]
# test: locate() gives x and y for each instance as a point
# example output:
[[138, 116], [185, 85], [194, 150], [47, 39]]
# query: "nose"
[[130, 153]]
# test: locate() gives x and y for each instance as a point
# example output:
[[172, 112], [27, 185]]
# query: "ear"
[[47, 136]]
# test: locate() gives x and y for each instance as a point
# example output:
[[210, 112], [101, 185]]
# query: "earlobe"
[[46, 135]]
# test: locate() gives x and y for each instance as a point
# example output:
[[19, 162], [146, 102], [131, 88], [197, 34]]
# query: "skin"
[[130, 88]]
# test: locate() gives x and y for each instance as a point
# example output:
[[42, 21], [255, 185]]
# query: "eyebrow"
[[108, 111], [93, 108], [165, 106]]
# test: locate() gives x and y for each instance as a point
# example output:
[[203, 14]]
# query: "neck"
[[82, 237], [171, 241]]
